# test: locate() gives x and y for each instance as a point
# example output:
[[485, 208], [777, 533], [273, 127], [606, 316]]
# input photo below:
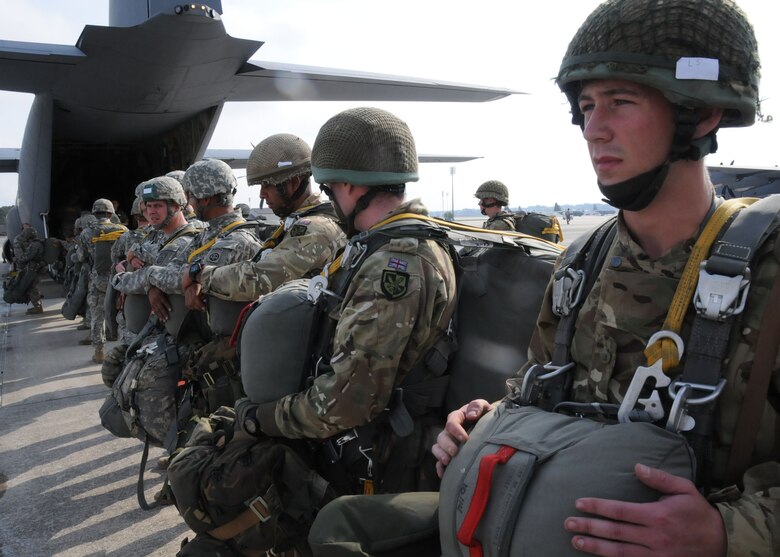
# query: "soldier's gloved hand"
[[246, 417]]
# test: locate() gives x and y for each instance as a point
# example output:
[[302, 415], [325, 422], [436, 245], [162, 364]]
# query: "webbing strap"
[[257, 512], [213, 241], [108, 236], [665, 349], [479, 498]]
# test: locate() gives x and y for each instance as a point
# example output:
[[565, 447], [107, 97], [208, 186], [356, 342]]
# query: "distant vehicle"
[[142, 97]]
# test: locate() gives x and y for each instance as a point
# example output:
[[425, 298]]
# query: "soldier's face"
[[629, 128], [156, 211], [270, 195]]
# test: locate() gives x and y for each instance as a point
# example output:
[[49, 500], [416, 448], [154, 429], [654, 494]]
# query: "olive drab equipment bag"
[[252, 494], [540, 225], [76, 301], [52, 250], [16, 289], [540, 447], [108, 234]]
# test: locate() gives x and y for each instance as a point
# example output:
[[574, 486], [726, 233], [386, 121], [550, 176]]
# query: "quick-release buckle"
[[719, 297], [567, 290], [208, 380], [260, 508], [538, 373], [681, 391]]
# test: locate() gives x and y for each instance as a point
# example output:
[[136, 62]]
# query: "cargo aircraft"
[[142, 96], [753, 181]]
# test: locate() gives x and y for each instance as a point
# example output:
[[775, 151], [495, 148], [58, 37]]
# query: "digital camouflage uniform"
[[627, 304], [307, 243], [28, 256], [500, 221], [377, 339], [229, 246], [98, 279]]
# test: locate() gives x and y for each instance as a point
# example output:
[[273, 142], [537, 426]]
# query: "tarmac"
[[67, 486]]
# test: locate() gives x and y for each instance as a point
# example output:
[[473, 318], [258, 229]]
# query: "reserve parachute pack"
[[75, 303], [540, 447], [108, 234], [540, 225]]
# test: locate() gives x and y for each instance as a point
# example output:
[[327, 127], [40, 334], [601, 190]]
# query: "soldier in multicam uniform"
[[95, 249], [648, 129], [493, 197], [306, 239], [396, 306], [28, 256]]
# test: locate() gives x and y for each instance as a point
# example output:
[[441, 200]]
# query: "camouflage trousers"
[[33, 292], [95, 297]]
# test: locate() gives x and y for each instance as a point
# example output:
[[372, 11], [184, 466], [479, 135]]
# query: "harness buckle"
[[538, 373], [681, 391], [260, 508], [719, 297], [567, 290]]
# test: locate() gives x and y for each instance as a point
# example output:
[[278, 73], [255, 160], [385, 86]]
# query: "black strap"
[[730, 256]]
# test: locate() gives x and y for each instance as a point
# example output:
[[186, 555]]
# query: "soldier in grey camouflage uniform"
[[28, 256], [648, 129], [396, 306], [306, 239], [95, 249], [493, 197]]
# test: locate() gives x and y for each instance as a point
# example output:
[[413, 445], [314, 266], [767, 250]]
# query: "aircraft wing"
[[237, 158], [732, 181], [35, 67], [272, 81], [9, 160]]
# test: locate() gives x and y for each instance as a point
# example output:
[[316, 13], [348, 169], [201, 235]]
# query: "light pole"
[[452, 187]]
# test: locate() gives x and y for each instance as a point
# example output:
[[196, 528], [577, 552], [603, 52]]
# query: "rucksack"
[[540, 225], [16, 289], [254, 494]]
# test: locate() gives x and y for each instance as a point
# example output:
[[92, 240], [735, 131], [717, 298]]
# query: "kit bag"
[[16, 289], [540, 225], [514, 482], [252, 494]]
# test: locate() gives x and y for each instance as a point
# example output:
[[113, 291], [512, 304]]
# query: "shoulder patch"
[[397, 264], [394, 284], [214, 256], [298, 229]]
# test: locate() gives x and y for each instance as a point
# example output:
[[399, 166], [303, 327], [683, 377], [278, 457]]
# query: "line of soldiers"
[[365, 421]]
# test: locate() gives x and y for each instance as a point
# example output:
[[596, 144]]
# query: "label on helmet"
[[280, 164], [698, 68]]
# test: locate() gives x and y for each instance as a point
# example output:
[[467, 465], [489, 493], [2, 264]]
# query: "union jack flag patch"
[[397, 264]]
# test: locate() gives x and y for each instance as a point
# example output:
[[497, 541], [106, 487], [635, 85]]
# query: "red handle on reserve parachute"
[[480, 497]]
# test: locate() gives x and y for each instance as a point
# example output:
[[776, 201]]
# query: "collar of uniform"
[[217, 223]]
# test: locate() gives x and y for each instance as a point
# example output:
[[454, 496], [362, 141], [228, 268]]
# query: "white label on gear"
[[698, 68], [280, 164]]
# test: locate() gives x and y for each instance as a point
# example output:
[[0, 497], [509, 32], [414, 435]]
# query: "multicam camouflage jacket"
[[627, 304], [308, 242], [219, 244], [500, 221], [396, 306], [169, 247]]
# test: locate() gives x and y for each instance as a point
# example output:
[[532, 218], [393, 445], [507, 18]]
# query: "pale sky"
[[526, 141]]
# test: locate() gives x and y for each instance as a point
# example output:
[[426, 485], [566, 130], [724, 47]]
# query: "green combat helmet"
[[696, 53], [210, 177], [365, 147], [278, 158], [102, 206], [135, 210], [495, 189]]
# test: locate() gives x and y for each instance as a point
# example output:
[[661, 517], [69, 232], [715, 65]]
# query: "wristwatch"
[[195, 268]]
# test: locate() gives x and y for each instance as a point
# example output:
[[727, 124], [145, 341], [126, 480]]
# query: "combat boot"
[[98, 356], [85, 341], [38, 308]]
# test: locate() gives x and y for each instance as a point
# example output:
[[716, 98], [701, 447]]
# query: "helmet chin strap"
[[286, 209], [638, 192], [167, 220]]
